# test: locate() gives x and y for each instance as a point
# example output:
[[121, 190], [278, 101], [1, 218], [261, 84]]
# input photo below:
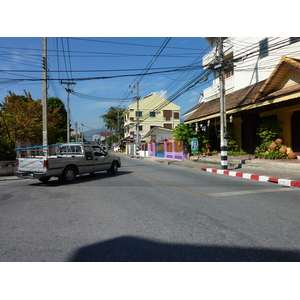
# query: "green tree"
[[111, 140], [53, 104], [114, 120], [184, 133], [21, 119]]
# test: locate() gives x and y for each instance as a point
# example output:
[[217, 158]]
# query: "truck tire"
[[69, 174], [114, 168], [44, 179]]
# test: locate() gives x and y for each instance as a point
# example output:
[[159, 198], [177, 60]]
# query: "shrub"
[[268, 130], [263, 151], [236, 153]]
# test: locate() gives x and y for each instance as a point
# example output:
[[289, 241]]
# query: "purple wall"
[[171, 154]]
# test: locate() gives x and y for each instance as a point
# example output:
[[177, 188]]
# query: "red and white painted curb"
[[285, 182]]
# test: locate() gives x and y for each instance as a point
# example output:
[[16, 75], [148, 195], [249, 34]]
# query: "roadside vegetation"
[[114, 120], [272, 146], [21, 120]]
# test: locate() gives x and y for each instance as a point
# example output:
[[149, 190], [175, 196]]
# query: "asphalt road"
[[149, 212]]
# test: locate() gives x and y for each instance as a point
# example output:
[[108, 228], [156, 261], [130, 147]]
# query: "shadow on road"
[[133, 249], [81, 178]]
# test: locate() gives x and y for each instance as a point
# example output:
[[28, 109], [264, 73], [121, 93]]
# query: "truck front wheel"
[[114, 168], [69, 174]]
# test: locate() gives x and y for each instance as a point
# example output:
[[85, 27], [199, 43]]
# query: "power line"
[[130, 44], [97, 98]]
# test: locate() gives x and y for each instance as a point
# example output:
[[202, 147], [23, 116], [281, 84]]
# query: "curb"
[[284, 182]]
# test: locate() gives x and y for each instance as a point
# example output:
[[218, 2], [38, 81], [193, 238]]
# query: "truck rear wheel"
[[69, 174]]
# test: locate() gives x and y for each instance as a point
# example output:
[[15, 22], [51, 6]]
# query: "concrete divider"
[[7, 167]]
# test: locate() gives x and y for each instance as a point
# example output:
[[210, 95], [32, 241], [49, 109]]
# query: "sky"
[[103, 69]]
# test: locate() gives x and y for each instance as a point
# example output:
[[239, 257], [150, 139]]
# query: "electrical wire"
[[131, 44]]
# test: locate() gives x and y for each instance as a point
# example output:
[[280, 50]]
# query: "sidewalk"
[[283, 172]]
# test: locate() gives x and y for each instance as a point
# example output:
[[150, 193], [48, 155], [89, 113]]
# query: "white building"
[[253, 60]]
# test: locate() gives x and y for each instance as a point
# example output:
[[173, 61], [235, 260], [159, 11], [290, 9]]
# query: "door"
[[160, 149], [250, 139], [101, 160], [89, 160], [296, 131]]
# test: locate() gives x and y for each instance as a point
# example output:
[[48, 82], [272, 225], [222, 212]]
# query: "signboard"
[[194, 145]]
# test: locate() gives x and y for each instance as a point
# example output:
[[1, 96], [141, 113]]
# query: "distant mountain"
[[89, 133]]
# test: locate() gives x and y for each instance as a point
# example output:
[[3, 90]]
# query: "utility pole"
[[137, 87], [44, 95], [223, 129], [68, 109], [137, 97], [76, 132], [119, 126]]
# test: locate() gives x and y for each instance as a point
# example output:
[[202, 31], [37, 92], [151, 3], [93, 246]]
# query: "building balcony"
[[215, 88]]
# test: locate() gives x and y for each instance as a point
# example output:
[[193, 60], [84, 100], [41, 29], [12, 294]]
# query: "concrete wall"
[[7, 167]]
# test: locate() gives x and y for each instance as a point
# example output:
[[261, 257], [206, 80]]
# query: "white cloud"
[[193, 99], [162, 93]]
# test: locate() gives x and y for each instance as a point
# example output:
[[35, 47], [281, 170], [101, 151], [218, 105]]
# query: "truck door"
[[101, 159], [89, 160]]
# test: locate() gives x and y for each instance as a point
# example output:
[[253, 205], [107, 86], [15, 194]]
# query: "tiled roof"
[[233, 100], [281, 70], [286, 91], [106, 133], [150, 132], [193, 108]]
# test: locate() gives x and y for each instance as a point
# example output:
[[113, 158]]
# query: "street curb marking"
[[281, 181]]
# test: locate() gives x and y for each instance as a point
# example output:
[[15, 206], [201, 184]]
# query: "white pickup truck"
[[64, 161]]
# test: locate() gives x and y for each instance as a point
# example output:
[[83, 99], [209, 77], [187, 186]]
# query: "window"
[[263, 48], [176, 115], [88, 153], [294, 39], [152, 114], [140, 128], [169, 126], [140, 113], [228, 72], [167, 115], [70, 150]]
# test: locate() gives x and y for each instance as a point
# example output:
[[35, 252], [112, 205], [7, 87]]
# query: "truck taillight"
[[46, 164]]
